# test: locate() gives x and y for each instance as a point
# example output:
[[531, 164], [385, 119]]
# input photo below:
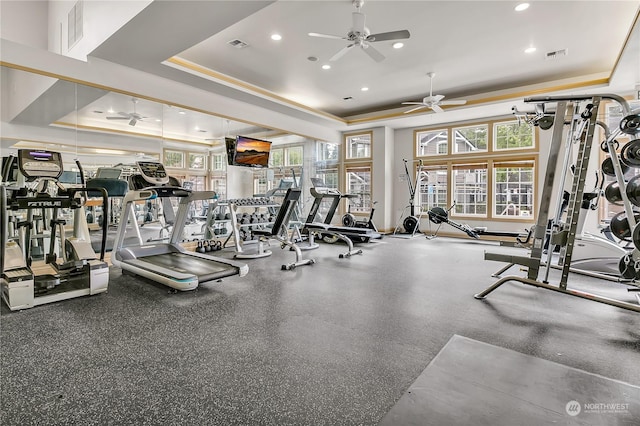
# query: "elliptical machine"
[[411, 222]]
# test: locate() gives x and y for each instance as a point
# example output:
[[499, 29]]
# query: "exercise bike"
[[350, 220]]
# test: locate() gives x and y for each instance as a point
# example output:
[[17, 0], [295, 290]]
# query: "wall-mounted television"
[[248, 152]]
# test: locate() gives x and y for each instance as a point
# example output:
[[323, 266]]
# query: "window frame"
[[346, 150], [490, 157]]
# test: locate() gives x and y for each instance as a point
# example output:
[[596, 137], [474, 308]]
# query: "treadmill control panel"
[[39, 163], [153, 172]]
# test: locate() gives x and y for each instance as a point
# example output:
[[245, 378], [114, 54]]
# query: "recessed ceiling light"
[[347, 98], [312, 58], [110, 111], [326, 67], [158, 120], [530, 49], [521, 7], [398, 45], [276, 37], [181, 112], [364, 89]]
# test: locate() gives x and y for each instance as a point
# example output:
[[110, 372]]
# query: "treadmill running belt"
[[204, 269]]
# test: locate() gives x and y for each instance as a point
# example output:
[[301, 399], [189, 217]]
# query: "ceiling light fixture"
[[364, 89], [276, 37], [521, 7], [326, 67], [181, 112], [530, 49], [398, 45]]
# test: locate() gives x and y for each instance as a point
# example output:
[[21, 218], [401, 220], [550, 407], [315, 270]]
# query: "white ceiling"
[[476, 49]]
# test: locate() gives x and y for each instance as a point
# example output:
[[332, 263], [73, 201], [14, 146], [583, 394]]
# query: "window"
[[513, 135], [276, 158], [470, 190], [219, 162], [174, 159], [219, 185], [358, 182], [329, 177], [327, 153], [358, 146], [432, 142], [287, 156], [295, 156], [470, 139], [513, 189], [328, 156], [197, 161], [432, 187]]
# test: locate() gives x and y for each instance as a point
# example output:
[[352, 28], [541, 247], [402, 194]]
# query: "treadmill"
[[355, 234], [167, 263]]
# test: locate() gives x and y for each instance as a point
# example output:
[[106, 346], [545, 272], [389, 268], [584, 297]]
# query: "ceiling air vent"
[[557, 53], [238, 44]]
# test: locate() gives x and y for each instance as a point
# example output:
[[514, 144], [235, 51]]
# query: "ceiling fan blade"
[[391, 35], [413, 103], [436, 108], [133, 122], [341, 53], [460, 102], [373, 53], [326, 36], [117, 118], [415, 109], [358, 22]]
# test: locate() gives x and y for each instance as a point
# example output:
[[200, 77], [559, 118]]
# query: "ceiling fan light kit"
[[360, 36], [434, 102], [133, 117]]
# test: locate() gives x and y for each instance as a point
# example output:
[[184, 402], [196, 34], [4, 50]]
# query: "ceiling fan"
[[133, 117], [360, 36], [431, 101]]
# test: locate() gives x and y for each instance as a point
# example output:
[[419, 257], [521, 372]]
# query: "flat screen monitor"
[[231, 149], [251, 152], [108, 173]]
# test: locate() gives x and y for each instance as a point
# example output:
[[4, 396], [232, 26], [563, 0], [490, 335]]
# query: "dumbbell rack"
[[237, 227]]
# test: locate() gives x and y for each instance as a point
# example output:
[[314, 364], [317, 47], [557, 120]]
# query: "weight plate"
[[612, 194], [635, 236], [628, 267], [619, 225], [630, 124], [633, 190], [609, 170], [630, 153]]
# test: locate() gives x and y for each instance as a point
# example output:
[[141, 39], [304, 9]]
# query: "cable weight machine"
[[582, 128]]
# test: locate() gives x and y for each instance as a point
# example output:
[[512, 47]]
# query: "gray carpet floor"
[[333, 343]]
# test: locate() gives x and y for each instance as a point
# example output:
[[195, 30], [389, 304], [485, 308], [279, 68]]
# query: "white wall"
[[101, 20], [13, 15]]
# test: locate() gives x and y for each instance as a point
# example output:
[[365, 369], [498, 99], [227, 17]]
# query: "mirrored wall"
[[105, 128]]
